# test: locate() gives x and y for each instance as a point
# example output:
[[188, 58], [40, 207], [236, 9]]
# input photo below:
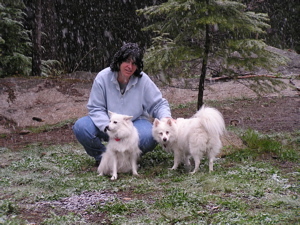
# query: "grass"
[[49, 127], [255, 185]]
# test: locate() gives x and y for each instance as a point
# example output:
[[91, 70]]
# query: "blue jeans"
[[91, 138]]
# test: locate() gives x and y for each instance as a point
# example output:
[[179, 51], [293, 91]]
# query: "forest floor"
[[41, 112], [39, 102], [28, 103]]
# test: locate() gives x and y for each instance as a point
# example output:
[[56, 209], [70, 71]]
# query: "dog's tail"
[[212, 120]]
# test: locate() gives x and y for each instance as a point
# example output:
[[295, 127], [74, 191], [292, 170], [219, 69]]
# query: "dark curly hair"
[[129, 50]]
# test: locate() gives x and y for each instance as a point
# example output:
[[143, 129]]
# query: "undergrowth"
[[259, 145]]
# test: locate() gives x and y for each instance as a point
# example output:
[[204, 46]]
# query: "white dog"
[[122, 150], [191, 137]]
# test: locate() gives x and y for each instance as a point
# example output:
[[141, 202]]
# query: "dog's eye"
[[160, 133], [115, 122], [167, 132]]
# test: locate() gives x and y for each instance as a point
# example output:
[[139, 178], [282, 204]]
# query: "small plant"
[[71, 218], [48, 127], [261, 144], [116, 207], [7, 207], [183, 105]]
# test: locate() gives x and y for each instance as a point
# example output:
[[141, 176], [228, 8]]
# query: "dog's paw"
[[194, 171], [135, 174], [100, 174], [114, 177], [174, 167]]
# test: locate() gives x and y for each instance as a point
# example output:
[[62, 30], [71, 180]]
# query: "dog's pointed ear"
[[169, 122], [156, 122], [128, 117]]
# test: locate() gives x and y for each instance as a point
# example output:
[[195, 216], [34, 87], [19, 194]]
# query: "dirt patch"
[[78, 204], [33, 102], [266, 114], [51, 100]]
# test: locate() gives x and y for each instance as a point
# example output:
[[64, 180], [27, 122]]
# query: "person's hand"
[[105, 129]]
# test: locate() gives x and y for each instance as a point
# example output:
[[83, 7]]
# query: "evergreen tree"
[[37, 39], [284, 20], [14, 40], [211, 30]]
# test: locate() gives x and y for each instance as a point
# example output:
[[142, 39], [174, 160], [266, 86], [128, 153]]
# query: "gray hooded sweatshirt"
[[142, 99]]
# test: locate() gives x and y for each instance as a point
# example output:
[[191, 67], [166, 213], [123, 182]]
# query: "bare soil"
[[36, 102]]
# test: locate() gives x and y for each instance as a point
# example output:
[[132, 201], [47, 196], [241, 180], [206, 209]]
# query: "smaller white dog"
[[122, 151], [193, 137]]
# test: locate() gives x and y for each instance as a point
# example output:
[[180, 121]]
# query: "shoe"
[[97, 163]]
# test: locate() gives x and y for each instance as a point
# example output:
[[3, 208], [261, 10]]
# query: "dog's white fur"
[[191, 137], [122, 151]]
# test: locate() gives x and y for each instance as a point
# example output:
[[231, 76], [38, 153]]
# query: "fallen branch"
[[239, 77]]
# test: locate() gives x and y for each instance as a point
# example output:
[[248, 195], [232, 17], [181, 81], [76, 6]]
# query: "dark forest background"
[[88, 32], [83, 35]]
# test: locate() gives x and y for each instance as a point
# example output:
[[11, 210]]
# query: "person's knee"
[[77, 128], [148, 146], [80, 128], [146, 142], [79, 124]]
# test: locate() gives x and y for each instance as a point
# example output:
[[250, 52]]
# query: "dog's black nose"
[[106, 129], [164, 139]]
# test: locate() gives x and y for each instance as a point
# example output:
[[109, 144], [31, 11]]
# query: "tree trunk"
[[36, 40], [204, 64]]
